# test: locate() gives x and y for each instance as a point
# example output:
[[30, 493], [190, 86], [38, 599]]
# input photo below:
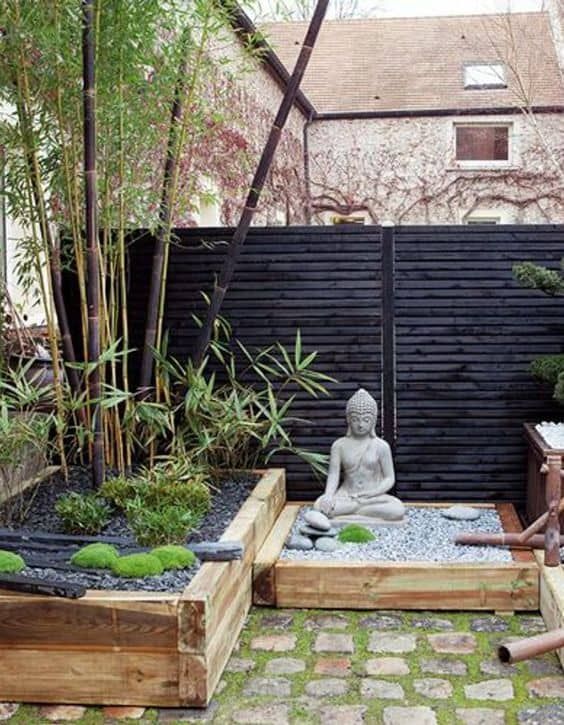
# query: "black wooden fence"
[[435, 309]]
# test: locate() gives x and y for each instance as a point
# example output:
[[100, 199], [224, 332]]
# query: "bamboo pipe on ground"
[[523, 649], [537, 525], [513, 540]]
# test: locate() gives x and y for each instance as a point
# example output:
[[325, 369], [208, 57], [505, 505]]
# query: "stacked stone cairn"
[[315, 532]]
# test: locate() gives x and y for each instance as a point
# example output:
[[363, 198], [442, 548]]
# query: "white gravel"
[[553, 433], [426, 536]]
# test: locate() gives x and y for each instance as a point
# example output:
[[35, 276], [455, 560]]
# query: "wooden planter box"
[[15, 478], [137, 648], [537, 452], [496, 586]]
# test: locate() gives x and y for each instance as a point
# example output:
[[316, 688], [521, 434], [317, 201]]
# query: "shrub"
[[137, 566], [167, 525], [355, 534], [548, 368], [118, 490], [82, 513], [172, 483], [95, 556], [10, 563], [174, 557]]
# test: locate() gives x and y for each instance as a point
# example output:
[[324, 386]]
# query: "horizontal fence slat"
[[465, 335]]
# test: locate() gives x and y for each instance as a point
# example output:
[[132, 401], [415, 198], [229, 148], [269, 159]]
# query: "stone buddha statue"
[[361, 471]]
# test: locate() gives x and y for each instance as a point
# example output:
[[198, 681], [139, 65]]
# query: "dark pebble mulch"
[[227, 499]]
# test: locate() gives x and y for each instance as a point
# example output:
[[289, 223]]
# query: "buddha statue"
[[361, 471]]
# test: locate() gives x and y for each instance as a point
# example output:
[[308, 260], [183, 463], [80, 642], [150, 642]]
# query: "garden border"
[[552, 597], [391, 585], [137, 648]]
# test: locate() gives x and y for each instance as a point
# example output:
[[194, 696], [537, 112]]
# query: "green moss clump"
[[10, 563], [95, 556], [137, 566], [174, 557], [355, 534]]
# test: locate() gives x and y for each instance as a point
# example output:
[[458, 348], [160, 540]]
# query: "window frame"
[[500, 85], [484, 163]]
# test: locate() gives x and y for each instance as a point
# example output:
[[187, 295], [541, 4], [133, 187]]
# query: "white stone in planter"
[[553, 434], [461, 513], [301, 543], [317, 520]]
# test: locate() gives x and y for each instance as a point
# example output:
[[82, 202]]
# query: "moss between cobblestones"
[[445, 709], [231, 698]]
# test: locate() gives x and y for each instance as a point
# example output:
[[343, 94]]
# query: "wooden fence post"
[[553, 495], [388, 343]]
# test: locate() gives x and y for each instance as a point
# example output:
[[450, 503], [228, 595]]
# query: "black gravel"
[[228, 497]]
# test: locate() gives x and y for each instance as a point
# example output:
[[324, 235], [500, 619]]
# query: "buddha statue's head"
[[362, 413]]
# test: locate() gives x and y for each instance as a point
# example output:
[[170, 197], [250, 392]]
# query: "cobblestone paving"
[[344, 668]]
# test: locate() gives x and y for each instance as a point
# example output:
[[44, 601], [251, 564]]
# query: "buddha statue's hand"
[[326, 504]]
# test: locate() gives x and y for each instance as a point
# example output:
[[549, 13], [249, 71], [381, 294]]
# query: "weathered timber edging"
[[320, 584], [33, 585], [551, 597], [137, 648]]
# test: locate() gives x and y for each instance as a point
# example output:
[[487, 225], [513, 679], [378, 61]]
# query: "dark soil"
[[227, 499]]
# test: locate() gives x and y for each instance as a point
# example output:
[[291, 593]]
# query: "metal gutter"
[[433, 112]]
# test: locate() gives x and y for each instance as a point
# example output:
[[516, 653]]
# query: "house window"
[[482, 143], [484, 75]]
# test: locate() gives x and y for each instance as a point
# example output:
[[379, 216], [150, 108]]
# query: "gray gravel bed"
[[426, 536]]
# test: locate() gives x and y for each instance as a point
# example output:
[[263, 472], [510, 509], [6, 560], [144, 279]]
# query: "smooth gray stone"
[[461, 513], [217, 550], [325, 543], [310, 531], [301, 543], [317, 520]]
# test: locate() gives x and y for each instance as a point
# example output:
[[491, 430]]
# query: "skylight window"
[[484, 75]]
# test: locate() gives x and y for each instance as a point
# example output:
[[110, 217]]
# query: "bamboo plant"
[[147, 53]]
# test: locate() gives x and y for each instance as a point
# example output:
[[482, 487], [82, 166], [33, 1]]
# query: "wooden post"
[[553, 493], [388, 381]]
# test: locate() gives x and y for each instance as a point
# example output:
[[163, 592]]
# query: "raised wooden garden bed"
[[31, 468], [137, 648], [538, 451], [391, 585]]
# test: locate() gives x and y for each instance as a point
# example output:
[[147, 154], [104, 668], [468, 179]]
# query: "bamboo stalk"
[[51, 249], [163, 231], [93, 267], [183, 98], [257, 185]]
